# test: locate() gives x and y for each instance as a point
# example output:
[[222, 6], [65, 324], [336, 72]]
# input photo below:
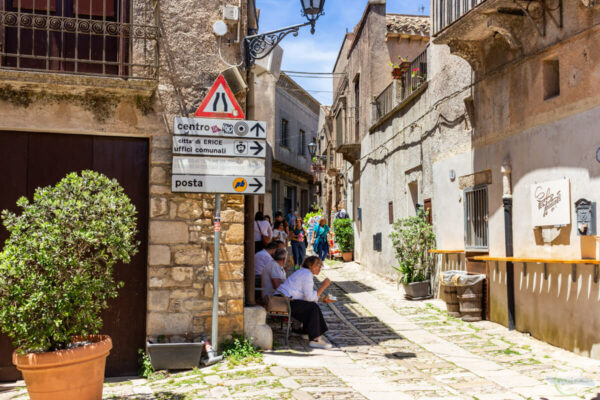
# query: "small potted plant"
[[344, 237], [412, 238], [56, 276], [399, 68]]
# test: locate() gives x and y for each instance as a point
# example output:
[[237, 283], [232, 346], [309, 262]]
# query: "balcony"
[[446, 12], [488, 33], [86, 37], [402, 90]]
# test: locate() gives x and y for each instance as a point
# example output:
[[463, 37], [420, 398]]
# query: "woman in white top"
[[300, 287], [262, 232]]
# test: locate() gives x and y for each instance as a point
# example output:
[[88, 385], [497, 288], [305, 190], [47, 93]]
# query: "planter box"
[[175, 355], [418, 290]]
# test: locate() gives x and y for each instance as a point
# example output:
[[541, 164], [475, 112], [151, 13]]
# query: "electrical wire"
[[225, 62]]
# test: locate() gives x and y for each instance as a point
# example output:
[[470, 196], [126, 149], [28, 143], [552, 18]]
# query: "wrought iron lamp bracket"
[[261, 45]]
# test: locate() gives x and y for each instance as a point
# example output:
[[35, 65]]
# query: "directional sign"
[[219, 147], [218, 166], [220, 127], [236, 184], [220, 102]]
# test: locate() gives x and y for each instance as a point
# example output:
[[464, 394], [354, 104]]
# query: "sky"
[[317, 53]]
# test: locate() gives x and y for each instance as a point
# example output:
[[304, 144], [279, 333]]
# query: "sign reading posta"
[[219, 152], [551, 203]]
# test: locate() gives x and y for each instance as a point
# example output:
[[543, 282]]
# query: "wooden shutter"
[[98, 7], [40, 5], [427, 206], [391, 212]]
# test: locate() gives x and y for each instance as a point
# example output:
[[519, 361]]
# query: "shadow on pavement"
[[355, 286], [154, 396], [400, 355]]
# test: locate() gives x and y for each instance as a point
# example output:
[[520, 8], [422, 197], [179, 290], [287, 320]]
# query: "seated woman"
[[299, 286]]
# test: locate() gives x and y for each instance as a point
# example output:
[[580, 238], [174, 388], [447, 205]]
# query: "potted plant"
[[56, 276], [412, 238], [399, 68], [344, 237]]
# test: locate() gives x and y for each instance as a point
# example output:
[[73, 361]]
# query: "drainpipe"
[[508, 241]]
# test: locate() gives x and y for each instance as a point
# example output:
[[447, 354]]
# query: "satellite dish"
[[220, 28]]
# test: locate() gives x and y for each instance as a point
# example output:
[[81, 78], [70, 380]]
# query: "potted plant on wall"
[[412, 238], [344, 237], [399, 68], [56, 276]]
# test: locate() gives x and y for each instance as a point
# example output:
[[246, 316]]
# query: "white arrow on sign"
[[219, 147], [218, 166], [220, 127], [235, 184]]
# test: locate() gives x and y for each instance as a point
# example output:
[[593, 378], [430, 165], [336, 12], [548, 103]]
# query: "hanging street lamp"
[[312, 148], [260, 45]]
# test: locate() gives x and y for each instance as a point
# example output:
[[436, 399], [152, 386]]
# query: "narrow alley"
[[387, 348]]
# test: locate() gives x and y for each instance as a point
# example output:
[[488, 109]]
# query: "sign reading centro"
[[221, 184], [220, 127]]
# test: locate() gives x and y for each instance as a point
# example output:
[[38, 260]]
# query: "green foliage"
[[56, 269], [344, 234], [309, 215], [240, 350], [146, 368], [412, 239]]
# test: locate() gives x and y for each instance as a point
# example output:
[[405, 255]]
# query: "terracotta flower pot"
[[347, 256], [397, 73], [73, 374]]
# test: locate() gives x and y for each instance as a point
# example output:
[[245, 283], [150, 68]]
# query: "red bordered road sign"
[[220, 102]]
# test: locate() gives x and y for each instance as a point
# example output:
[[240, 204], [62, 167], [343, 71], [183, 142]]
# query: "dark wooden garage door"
[[31, 160]]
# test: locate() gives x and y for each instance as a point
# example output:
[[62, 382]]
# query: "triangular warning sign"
[[220, 102]]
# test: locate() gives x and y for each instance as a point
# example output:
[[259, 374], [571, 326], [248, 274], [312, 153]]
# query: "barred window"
[[476, 218], [78, 36]]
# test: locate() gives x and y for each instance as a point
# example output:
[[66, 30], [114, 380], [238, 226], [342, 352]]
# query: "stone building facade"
[[292, 117], [535, 109], [361, 73], [163, 70]]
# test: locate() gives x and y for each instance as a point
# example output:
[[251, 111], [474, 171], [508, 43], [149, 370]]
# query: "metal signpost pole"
[[215, 307]]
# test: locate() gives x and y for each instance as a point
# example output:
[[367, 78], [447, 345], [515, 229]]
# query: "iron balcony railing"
[[399, 90], [384, 103], [445, 12], [415, 76], [90, 37]]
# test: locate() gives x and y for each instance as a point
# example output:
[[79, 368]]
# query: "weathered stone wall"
[[402, 152], [180, 225]]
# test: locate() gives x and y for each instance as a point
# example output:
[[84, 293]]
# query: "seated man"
[[262, 258], [273, 274]]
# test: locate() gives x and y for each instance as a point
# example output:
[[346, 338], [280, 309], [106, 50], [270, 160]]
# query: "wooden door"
[[31, 160]]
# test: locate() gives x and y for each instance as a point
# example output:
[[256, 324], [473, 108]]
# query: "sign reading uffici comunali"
[[218, 156]]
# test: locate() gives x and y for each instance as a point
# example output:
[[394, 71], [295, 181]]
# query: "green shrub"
[[344, 234], [56, 269], [146, 368], [240, 350], [412, 239], [309, 215]]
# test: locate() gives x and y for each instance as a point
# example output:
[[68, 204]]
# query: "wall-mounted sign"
[[218, 147], [218, 166], [234, 184], [241, 129], [551, 203]]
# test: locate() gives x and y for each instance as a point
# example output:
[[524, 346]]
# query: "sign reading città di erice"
[[218, 151]]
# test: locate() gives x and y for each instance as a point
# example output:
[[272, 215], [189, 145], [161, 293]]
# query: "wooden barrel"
[[470, 301], [451, 299]]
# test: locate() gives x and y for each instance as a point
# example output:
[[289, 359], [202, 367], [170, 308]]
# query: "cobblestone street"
[[385, 348]]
